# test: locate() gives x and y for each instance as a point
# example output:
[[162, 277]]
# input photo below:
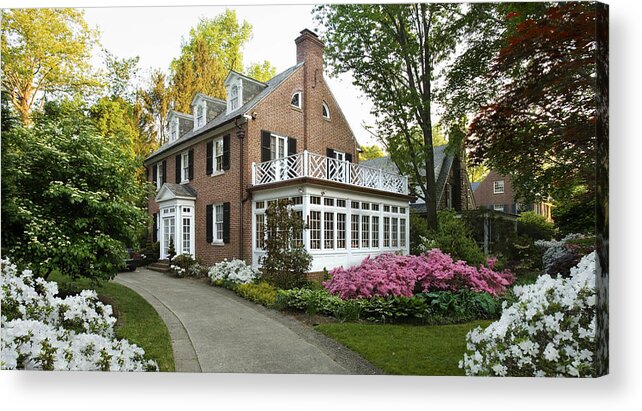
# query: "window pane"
[[260, 231], [402, 232], [365, 231], [328, 232], [341, 230], [355, 232], [315, 230], [386, 231], [375, 232], [395, 232]]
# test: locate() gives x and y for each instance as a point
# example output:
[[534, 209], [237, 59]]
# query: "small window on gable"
[[173, 129], [296, 99], [498, 187], [326, 111]]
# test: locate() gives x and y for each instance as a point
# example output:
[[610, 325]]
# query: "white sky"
[[154, 34]]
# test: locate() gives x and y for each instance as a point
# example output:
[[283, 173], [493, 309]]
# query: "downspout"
[[240, 133]]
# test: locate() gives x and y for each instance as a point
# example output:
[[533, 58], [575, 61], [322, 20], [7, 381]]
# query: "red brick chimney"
[[309, 49]]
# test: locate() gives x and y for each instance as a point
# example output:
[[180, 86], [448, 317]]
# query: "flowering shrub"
[[235, 271], [394, 275], [560, 256], [181, 265], [42, 331], [549, 331]]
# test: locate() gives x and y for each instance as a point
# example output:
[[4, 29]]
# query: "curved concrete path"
[[214, 330]]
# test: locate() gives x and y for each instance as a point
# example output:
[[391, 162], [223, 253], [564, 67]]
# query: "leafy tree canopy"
[[370, 152], [213, 48], [261, 71], [71, 201], [540, 128], [45, 51]]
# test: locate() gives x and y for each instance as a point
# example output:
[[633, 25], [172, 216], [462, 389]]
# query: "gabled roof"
[[206, 98], [234, 73], [443, 164], [224, 117], [179, 114], [176, 191]]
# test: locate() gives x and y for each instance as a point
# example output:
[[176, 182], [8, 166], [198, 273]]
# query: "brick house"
[[284, 138], [451, 179], [495, 192]]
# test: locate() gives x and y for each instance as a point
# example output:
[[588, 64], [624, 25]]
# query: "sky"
[[155, 33]]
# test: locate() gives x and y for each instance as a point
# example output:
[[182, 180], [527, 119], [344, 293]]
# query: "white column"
[[306, 163], [253, 174]]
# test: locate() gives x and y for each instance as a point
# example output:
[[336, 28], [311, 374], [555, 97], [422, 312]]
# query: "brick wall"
[[485, 196], [275, 114]]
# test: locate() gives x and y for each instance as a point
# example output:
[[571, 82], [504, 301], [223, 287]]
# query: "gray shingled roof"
[[272, 84], [443, 162], [181, 190]]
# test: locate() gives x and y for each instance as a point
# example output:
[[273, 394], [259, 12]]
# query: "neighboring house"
[[452, 185], [495, 192], [284, 138]]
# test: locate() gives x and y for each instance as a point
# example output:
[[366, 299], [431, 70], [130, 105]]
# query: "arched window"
[[326, 111], [297, 101]]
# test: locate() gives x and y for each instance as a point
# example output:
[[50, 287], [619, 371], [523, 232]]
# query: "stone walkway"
[[214, 330]]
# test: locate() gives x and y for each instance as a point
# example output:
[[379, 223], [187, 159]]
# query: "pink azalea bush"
[[398, 275]]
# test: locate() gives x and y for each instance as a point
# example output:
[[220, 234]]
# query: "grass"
[[406, 349], [138, 321]]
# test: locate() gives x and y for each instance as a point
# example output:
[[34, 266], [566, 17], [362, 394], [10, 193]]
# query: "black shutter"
[[209, 164], [349, 157], [329, 153], [178, 169], [291, 146], [266, 152], [155, 229], [190, 171], [226, 152], [164, 172], [226, 222], [155, 173], [209, 223]]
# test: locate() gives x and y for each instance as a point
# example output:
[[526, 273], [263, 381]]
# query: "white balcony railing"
[[308, 164]]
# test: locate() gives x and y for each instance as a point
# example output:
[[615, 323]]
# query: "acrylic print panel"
[[414, 189]]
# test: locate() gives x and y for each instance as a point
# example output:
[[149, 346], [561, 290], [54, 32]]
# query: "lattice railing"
[[308, 164]]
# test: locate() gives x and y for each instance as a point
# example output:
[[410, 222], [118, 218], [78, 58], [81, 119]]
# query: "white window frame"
[[219, 217], [217, 164], [499, 207], [235, 91], [185, 167], [199, 115], [498, 187], [325, 111], [298, 93]]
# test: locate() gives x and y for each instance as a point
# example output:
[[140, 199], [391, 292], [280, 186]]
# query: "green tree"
[[152, 107], [120, 76], [71, 197], [213, 48], [370, 152], [394, 52], [44, 52], [286, 261], [261, 71]]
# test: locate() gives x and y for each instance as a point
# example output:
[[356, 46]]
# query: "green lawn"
[[138, 321], [406, 349]]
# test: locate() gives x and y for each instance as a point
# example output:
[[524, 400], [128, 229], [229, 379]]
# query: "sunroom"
[[350, 211]]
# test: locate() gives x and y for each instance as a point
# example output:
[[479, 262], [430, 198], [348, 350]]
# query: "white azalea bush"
[[234, 271], [548, 332], [42, 331]]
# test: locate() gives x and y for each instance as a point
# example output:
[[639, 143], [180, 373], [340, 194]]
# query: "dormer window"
[[173, 130], [234, 98], [200, 115], [297, 100], [326, 111]]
